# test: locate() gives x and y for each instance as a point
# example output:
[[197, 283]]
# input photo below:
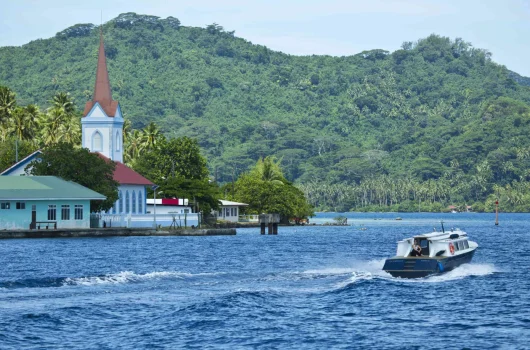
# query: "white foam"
[[127, 277], [458, 273], [373, 269], [331, 271], [463, 271]]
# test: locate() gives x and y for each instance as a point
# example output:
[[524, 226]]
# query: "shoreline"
[[114, 232]]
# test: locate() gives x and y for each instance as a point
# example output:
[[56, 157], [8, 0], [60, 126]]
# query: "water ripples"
[[311, 287]]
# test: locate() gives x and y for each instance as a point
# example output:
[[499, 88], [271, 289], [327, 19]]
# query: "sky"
[[302, 27]]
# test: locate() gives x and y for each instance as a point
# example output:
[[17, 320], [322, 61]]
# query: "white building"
[[102, 133], [229, 211], [168, 206]]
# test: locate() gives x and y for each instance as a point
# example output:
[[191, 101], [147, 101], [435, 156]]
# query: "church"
[[102, 132]]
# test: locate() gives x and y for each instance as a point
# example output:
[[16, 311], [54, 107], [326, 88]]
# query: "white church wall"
[[110, 128], [136, 204]]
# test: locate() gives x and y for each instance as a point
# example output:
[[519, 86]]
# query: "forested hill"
[[420, 111]]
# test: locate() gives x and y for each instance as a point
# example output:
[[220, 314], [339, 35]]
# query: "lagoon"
[[309, 287]]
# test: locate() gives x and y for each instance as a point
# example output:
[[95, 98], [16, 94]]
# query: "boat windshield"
[[424, 244]]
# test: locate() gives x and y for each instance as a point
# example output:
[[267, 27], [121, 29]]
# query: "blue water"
[[312, 287]]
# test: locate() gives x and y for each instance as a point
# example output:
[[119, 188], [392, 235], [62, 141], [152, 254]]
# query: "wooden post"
[[270, 221], [496, 213]]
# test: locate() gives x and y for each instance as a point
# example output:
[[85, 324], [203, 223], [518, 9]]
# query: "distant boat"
[[398, 218], [454, 211]]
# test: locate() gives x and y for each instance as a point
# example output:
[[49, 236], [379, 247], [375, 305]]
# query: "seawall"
[[114, 232]]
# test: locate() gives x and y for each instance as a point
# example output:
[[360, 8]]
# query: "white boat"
[[440, 252]]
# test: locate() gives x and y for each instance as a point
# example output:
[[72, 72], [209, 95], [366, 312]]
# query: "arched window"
[[133, 197], [121, 202], [127, 203], [114, 207], [117, 140], [140, 200], [97, 141]]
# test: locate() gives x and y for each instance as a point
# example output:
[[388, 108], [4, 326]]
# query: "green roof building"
[[40, 202]]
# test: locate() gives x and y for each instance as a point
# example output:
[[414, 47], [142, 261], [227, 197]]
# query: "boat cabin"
[[435, 244]]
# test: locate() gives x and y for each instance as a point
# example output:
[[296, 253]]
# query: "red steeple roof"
[[102, 92]]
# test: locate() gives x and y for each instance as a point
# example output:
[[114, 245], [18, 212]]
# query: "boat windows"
[[466, 244], [456, 246], [424, 244]]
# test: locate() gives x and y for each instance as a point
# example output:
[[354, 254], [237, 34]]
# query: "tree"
[[266, 191], [179, 169], [151, 136], [269, 170], [22, 124], [8, 151], [80, 166], [64, 101], [8, 103]]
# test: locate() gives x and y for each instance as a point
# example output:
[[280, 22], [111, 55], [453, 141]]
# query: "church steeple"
[[102, 92], [102, 122]]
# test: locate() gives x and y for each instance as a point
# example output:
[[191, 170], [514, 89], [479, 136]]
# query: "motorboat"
[[440, 252]]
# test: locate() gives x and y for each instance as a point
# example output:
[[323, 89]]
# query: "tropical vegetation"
[[80, 166], [265, 189], [434, 123]]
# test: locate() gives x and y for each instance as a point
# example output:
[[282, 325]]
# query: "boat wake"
[[463, 271], [129, 277], [372, 270], [122, 277]]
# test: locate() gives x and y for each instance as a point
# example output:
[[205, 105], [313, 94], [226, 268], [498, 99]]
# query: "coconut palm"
[[63, 101], [126, 131], [22, 124], [269, 170], [151, 137], [7, 104], [50, 125], [133, 147], [70, 131]]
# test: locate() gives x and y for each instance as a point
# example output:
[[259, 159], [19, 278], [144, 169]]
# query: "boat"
[[440, 252]]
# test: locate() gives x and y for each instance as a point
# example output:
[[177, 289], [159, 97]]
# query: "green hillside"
[[434, 108]]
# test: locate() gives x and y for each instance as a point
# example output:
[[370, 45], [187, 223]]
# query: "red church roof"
[[126, 176], [102, 92]]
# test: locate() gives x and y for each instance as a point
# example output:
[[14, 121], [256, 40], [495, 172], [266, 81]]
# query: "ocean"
[[309, 287]]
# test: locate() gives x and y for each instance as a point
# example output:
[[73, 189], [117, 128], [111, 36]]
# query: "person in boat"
[[416, 249]]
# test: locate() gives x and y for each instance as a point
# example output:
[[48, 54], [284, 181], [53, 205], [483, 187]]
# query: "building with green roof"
[[40, 202]]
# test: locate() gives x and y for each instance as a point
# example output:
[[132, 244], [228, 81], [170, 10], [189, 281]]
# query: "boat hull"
[[417, 267]]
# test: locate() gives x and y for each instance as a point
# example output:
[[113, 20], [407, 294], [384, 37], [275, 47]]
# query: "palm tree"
[[70, 131], [151, 135], [50, 124], [134, 147], [22, 124], [126, 131], [7, 104], [269, 170], [64, 101]]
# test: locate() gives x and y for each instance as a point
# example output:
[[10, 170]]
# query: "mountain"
[[519, 78], [415, 112]]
